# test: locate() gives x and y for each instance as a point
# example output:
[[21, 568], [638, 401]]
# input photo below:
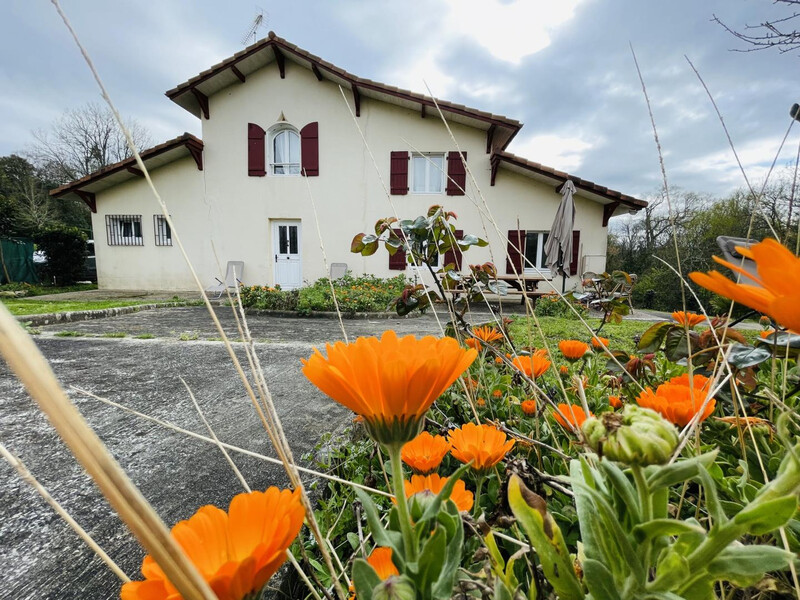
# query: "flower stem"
[[476, 508], [402, 504]]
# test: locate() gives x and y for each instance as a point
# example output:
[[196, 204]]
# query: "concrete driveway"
[[41, 556]]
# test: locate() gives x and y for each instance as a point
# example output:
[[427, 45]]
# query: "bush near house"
[[65, 248], [365, 293]]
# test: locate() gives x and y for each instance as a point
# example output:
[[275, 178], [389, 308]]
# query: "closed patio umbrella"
[[559, 241]]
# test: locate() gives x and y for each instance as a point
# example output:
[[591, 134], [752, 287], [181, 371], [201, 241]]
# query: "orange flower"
[[598, 343], [573, 349], [529, 407], [391, 381], [766, 333], [381, 560], [460, 495], [481, 402], [472, 384], [497, 394], [533, 366], [570, 413], [677, 401], [498, 361], [487, 334], [474, 344], [484, 445], [777, 282], [563, 369], [615, 401], [425, 452], [236, 552], [541, 352], [687, 318]]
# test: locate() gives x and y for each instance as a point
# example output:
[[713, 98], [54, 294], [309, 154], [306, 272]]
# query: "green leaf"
[[745, 565], [382, 537], [676, 344], [741, 356], [599, 580], [443, 588], [353, 539], [679, 471], [364, 579], [712, 498], [431, 560], [763, 517], [433, 508], [546, 538], [659, 527], [671, 571], [357, 245], [652, 339], [623, 487]]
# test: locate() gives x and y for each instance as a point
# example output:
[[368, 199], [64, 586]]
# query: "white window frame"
[[115, 230], [431, 172], [539, 263], [274, 132], [162, 231]]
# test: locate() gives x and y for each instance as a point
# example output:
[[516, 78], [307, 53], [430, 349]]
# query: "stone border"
[[328, 314], [86, 315]]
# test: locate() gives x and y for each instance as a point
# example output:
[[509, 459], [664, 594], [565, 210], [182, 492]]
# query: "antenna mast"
[[259, 21]]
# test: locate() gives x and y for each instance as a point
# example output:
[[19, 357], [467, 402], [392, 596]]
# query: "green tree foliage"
[[640, 244], [65, 249]]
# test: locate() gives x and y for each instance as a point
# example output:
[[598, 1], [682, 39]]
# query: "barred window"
[[163, 232], [124, 230]]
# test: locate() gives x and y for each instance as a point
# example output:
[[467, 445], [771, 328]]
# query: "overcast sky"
[[562, 67]]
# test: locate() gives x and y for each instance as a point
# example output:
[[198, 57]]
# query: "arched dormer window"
[[284, 150]]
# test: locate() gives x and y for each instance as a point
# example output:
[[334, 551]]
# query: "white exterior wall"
[[224, 205]]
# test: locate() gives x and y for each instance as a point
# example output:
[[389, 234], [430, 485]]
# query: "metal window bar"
[[124, 230], [163, 234]]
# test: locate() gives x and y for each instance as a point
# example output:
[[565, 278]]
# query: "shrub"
[[65, 249], [552, 306]]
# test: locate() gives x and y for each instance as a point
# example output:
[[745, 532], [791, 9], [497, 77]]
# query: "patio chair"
[[338, 270], [728, 246], [233, 274]]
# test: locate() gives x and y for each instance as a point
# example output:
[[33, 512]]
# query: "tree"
[[781, 33], [82, 141]]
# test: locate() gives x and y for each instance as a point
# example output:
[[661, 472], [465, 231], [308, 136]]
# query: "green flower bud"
[[395, 588], [635, 436], [419, 502]]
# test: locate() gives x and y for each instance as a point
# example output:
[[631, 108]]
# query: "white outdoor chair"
[[338, 270], [233, 275]]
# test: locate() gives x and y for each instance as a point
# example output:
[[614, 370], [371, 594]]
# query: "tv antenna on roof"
[[259, 21]]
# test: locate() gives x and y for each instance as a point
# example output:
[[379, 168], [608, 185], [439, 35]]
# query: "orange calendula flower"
[[497, 393], [380, 559], [236, 552], [481, 402], [563, 369], [573, 349], [484, 445], [425, 452], [615, 402], [487, 334], [598, 343], [433, 483], [533, 366], [778, 278], [766, 333], [498, 361], [528, 407], [677, 401], [390, 381], [570, 413], [687, 318], [474, 344]]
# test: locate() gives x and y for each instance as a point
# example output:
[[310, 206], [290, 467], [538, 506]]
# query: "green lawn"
[[36, 307]]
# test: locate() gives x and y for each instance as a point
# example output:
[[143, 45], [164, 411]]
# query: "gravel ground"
[[41, 556]]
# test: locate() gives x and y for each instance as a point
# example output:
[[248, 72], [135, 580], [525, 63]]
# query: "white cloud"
[[561, 152]]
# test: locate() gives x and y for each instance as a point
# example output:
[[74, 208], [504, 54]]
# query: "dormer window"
[[284, 153]]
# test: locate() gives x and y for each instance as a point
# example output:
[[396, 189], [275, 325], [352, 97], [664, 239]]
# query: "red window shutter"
[[454, 255], [576, 248], [456, 174], [398, 180], [515, 251], [309, 149], [255, 151], [397, 261]]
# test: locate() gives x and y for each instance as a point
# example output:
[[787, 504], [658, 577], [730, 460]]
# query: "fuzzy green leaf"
[[364, 579], [652, 339], [763, 517]]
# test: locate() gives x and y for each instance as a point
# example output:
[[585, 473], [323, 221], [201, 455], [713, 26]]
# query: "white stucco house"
[[277, 131]]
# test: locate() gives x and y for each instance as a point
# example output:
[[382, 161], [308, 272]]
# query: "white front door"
[[286, 244]]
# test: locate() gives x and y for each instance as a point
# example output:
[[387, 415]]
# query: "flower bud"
[[419, 502], [635, 436], [395, 588]]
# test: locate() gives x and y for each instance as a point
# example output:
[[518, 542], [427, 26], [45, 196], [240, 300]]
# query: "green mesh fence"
[[16, 261]]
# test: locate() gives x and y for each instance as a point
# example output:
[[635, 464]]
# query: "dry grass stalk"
[[32, 369], [26, 475]]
